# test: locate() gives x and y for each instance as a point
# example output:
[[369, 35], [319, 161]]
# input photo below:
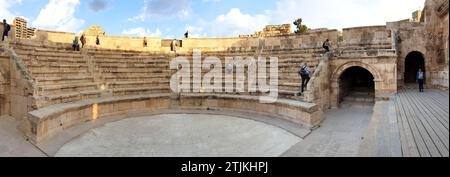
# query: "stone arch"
[[412, 62], [338, 72], [336, 77]]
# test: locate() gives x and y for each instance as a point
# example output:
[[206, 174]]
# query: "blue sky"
[[203, 18]]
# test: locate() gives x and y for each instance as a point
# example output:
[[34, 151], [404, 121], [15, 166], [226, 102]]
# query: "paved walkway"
[[423, 120], [13, 143], [340, 135], [382, 137]]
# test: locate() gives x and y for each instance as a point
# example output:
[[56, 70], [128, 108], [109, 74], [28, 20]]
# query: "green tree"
[[301, 28]]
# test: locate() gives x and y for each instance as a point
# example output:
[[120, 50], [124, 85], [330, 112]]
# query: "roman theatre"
[[116, 99]]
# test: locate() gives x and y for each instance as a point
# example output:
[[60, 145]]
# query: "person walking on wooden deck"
[[420, 79]]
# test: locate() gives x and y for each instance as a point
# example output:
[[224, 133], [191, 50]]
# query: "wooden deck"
[[423, 120]]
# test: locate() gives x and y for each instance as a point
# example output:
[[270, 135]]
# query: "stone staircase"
[[61, 74], [360, 97], [130, 73]]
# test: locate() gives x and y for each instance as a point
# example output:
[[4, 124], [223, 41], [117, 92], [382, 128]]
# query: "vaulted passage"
[[357, 84], [413, 62]]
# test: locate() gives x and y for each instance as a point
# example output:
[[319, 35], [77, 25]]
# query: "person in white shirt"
[[420, 79]]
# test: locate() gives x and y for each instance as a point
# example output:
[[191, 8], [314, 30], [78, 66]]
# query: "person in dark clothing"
[[420, 79], [326, 45], [145, 42], [97, 40], [75, 44], [305, 74], [83, 40], [6, 29], [186, 35]]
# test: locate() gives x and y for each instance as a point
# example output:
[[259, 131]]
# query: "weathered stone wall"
[[429, 38], [306, 40], [5, 95], [125, 43], [107, 42], [21, 92], [370, 48], [409, 37], [436, 28], [368, 35]]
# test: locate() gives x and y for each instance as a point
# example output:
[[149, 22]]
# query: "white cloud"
[[169, 37], [332, 14], [235, 23], [343, 13], [162, 8], [142, 32], [59, 15], [5, 12], [196, 32]]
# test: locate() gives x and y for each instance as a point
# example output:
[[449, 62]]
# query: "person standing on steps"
[[145, 42], [305, 74], [6, 29], [83, 40], [97, 40], [420, 79], [75, 45], [326, 45]]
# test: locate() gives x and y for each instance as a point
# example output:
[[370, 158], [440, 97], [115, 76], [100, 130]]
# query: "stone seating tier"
[[135, 66], [288, 66], [64, 80], [64, 76]]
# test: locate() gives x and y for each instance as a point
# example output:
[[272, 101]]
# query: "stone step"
[[141, 90], [58, 74], [112, 78], [363, 99], [49, 54], [52, 69], [64, 80], [133, 70], [124, 61], [55, 71], [137, 57], [43, 101], [39, 62], [66, 88], [128, 84]]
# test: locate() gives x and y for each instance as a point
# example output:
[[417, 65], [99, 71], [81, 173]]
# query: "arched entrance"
[[413, 61], [357, 84]]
